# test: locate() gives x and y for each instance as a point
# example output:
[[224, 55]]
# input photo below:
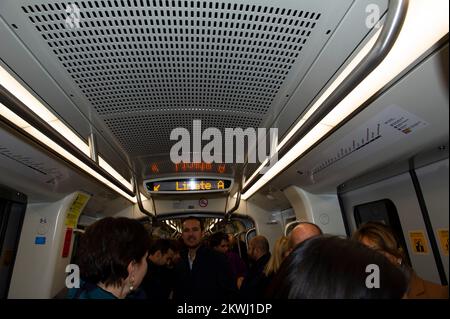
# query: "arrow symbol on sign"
[[156, 187]]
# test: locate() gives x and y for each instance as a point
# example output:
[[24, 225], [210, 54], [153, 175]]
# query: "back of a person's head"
[[327, 267], [382, 237], [108, 246], [303, 231], [176, 245]]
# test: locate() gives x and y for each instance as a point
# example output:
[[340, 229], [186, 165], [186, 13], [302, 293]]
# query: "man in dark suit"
[[201, 274], [256, 283], [157, 283]]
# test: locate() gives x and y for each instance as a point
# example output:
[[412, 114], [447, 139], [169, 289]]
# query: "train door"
[[415, 204], [12, 211]]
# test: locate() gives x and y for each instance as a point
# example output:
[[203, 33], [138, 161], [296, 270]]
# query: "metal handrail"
[[19, 108], [139, 200], [238, 241], [234, 208], [247, 234], [394, 20], [289, 224]]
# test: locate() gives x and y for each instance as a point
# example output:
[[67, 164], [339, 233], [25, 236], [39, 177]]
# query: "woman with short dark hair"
[[335, 268], [112, 257]]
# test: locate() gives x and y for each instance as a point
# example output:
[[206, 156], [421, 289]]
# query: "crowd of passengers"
[[117, 259]]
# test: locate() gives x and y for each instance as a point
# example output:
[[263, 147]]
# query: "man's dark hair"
[[176, 245], [193, 218], [216, 239], [161, 244], [108, 246], [325, 267]]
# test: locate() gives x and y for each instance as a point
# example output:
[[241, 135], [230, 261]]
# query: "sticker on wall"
[[75, 209], [43, 226], [443, 239], [39, 240], [203, 202], [418, 242]]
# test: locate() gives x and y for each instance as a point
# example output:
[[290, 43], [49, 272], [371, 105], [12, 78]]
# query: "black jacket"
[[255, 283], [209, 279], [158, 282]]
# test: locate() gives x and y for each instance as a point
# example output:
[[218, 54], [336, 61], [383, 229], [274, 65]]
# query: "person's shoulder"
[[424, 289], [233, 255], [214, 255], [435, 291]]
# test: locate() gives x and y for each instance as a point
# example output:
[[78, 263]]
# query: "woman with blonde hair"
[[280, 252], [380, 237]]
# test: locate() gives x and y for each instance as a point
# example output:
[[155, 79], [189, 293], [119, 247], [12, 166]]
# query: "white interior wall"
[[133, 211], [39, 270], [263, 221], [322, 210], [168, 206]]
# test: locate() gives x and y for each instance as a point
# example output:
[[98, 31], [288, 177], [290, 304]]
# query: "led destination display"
[[188, 185]]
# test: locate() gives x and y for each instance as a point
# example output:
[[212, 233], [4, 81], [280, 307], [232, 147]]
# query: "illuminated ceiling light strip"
[[114, 173], [306, 142], [21, 93], [348, 69], [414, 40], [62, 129], [12, 117]]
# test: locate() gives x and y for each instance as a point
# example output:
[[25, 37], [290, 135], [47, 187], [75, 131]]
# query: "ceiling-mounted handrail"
[[294, 222], [137, 193], [21, 110], [235, 206], [247, 234], [394, 20], [236, 236]]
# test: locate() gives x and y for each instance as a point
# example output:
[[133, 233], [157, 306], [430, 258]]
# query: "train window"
[[171, 227], [383, 211], [12, 211]]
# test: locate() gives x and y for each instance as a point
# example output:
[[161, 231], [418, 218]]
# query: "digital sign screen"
[[187, 185], [200, 167]]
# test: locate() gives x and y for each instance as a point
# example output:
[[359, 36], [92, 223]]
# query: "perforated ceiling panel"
[[146, 66], [125, 128]]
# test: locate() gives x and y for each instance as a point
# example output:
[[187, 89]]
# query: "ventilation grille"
[[138, 57]]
